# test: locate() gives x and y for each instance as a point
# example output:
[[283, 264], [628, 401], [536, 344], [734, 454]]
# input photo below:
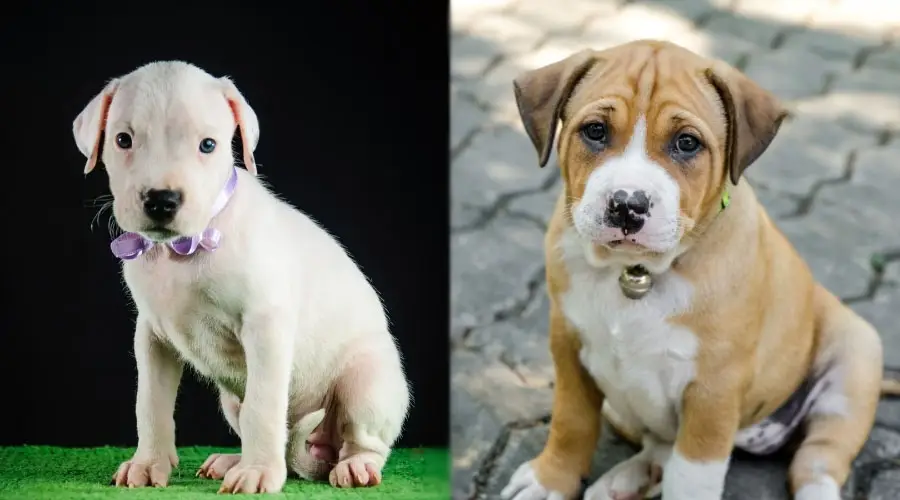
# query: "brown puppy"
[[734, 344]]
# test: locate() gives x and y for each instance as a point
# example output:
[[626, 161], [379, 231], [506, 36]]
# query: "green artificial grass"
[[43, 472]]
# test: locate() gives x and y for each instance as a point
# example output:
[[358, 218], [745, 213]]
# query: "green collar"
[[726, 199]]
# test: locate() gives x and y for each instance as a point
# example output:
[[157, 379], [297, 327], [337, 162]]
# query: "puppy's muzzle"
[[627, 209], [161, 205]]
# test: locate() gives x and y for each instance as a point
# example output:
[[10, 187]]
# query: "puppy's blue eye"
[[207, 145]]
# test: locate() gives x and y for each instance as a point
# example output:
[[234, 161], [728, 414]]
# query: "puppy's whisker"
[[192, 295], [99, 200], [103, 208], [112, 227]]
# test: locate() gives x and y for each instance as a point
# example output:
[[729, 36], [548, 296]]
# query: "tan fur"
[[760, 317], [576, 405], [890, 387]]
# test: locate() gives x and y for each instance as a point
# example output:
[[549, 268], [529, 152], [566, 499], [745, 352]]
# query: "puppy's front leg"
[[709, 421], [574, 425], [268, 348], [159, 373]]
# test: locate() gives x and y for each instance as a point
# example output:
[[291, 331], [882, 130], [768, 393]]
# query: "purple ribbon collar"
[[130, 246]]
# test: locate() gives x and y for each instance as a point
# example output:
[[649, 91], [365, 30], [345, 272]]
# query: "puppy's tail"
[[308, 424], [299, 458], [890, 387]]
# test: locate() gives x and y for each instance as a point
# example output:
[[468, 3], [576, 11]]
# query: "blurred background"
[[830, 180]]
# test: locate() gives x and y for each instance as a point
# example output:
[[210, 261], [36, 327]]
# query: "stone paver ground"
[[830, 179]]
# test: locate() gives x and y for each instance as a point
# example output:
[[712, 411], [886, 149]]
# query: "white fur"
[[633, 476], [684, 479], [279, 317], [632, 170], [825, 488], [524, 485], [825, 398], [640, 360], [832, 401]]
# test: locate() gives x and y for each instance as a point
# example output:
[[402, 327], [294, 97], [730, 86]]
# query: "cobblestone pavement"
[[830, 179]]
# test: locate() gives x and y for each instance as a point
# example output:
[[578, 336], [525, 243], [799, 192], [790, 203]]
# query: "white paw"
[[245, 478], [635, 478], [358, 470], [217, 465], [825, 488], [685, 479], [524, 485]]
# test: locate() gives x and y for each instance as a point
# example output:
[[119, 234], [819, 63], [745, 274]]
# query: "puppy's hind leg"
[[372, 398], [217, 464], [840, 420], [310, 452], [635, 478]]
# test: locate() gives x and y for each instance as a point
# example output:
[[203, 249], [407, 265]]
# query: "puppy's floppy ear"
[[246, 121], [542, 93], [753, 116], [90, 124]]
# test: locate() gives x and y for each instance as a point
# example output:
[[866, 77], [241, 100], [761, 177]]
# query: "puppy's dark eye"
[[123, 140], [687, 144], [207, 145], [594, 132]]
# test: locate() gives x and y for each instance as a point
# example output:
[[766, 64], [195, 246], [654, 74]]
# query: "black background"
[[352, 102]]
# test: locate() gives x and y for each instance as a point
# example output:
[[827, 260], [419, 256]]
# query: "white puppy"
[[243, 287]]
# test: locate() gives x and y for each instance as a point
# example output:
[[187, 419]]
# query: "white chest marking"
[[196, 313], [640, 361], [632, 170]]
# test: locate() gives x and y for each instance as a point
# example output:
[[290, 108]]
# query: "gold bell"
[[635, 282]]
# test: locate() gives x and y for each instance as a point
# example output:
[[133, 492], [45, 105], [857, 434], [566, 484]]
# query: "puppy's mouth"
[[627, 246], [634, 245], [623, 244], [159, 234]]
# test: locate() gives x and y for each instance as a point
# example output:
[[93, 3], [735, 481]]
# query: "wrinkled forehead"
[[181, 100], [646, 80]]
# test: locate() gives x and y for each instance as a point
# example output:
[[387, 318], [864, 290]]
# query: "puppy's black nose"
[[160, 205], [638, 203], [627, 211]]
